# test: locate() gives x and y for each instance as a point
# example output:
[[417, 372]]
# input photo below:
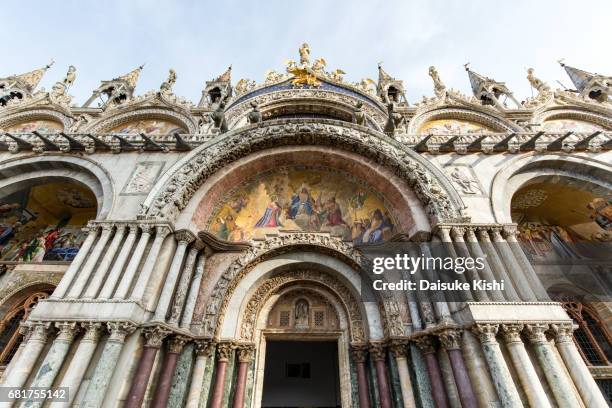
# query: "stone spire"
[[488, 90], [217, 90], [117, 90], [30, 80], [389, 89], [589, 85], [131, 78], [22, 86]]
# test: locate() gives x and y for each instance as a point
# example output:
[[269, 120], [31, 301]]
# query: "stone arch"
[[593, 174], [488, 119], [30, 115], [173, 191], [358, 266], [572, 113], [16, 173], [180, 118]]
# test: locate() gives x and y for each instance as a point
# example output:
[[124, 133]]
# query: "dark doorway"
[[301, 374]]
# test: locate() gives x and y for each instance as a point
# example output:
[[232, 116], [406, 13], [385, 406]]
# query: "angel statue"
[[439, 87], [319, 66], [166, 86], [336, 75], [272, 76], [304, 54], [70, 76], [536, 82], [366, 85], [244, 85]]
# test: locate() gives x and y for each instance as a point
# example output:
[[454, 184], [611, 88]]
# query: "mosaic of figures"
[[567, 125], [548, 230], [452, 126], [43, 223], [304, 199], [148, 126], [43, 126]]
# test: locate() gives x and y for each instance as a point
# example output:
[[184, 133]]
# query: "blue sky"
[[199, 39]]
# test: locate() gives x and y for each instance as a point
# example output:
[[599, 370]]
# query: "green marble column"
[[180, 380], [424, 393]]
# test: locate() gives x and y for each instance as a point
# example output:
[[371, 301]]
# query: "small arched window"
[[592, 337]]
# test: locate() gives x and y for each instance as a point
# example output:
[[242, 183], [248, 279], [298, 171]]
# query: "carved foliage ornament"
[[177, 192]]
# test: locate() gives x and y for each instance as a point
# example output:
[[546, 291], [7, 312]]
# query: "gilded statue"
[[319, 66], [336, 75], [166, 86], [366, 85]]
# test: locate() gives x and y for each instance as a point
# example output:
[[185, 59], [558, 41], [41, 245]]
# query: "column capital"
[[512, 332], [564, 333], [470, 234], [425, 344], [496, 232], [162, 230], [204, 348], [458, 233], [398, 348], [184, 236], [359, 352], [198, 245], [176, 344], [483, 234], [67, 331], [378, 351], [133, 227], [107, 227], [246, 352], [119, 330], [93, 330], [39, 332], [509, 232], [155, 336], [536, 332], [225, 350], [451, 339], [486, 332], [444, 233], [146, 228], [25, 330]]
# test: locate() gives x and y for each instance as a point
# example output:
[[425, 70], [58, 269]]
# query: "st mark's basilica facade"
[[156, 252]]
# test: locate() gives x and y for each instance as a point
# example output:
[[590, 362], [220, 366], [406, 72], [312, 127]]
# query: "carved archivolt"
[[575, 114], [275, 284], [274, 245], [183, 120], [31, 115], [441, 201], [485, 118]]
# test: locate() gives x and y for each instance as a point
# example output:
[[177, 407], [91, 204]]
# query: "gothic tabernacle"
[[156, 252]]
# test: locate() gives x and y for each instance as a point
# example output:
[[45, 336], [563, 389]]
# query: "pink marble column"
[[245, 356], [360, 354], [378, 353], [154, 338], [451, 341], [162, 392], [224, 351], [425, 344]]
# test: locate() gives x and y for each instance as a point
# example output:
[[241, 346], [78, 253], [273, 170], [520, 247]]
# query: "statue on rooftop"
[[166, 86]]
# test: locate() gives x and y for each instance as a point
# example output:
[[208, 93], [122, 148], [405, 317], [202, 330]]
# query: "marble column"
[[444, 232], [194, 290], [360, 355], [458, 234], [24, 331], [587, 387], [224, 352], [85, 272], [497, 265], [162, 392], [183, 286], [398, 349], [512, 266], [245, 357], [486, 272], [478, 371], [509, 232], [451, 342], [96, 390], [132, 267], [508, 394], [161, 232], [523, 366], [425, 344], [115, 273], [53, 360], [80, 361], [75, 265], [154, 337], [439, 301], [557, 379], [28, 357], [378, 353], [100, 273], [204, 352], [184, 238]]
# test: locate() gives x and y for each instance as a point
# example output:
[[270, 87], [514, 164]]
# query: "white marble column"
[[458, 234], [64, 284], [96, 389], [115, 273], [135, 258], [506, 390], [183, 286], [194, 290], [27, 359], [398, 350], [204, 353], [444, 231], [161, 232], [558, 381], [80, 361], [54, 359], [24, 330], [590, 392], [84, 274], [512, 266], [486, 272], [497, 265], [100, 274], [184, 238], [523, 366]]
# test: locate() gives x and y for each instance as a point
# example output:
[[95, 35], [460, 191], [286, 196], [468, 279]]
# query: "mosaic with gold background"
[[43, 126], [148, 126], [452, 126]]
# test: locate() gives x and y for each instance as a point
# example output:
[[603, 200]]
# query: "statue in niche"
[[218, 117], [358, 115], [467, 183], [254, 116], [301, 314]]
